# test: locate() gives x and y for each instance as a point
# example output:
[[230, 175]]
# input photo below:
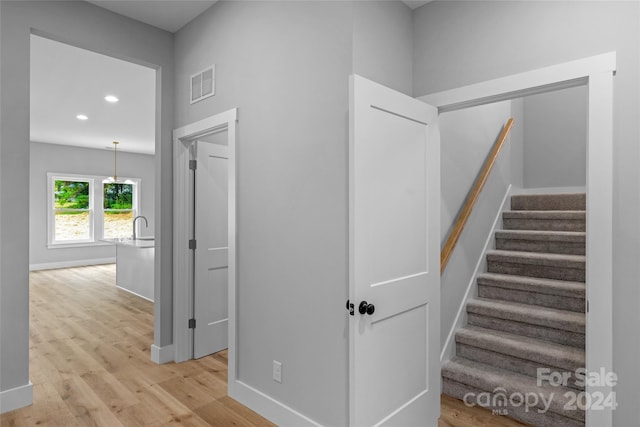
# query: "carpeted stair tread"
[[546, 215], [537, 258], [557, 236], [560, 201], [563, 288], [544, 220], [528, 313], [525, 313], [558, 242], [489, 378], [543, 352]]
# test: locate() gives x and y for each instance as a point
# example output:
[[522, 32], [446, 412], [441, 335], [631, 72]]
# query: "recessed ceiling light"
[[81, 117], [111, 98]]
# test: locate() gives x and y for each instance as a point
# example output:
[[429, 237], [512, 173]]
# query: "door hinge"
[[192, 244], [192, 323], [193, 164], [587, 306]]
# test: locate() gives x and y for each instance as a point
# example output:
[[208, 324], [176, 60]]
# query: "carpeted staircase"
[[529, 314]]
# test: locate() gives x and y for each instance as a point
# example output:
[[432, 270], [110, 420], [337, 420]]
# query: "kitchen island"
[[134, 265]]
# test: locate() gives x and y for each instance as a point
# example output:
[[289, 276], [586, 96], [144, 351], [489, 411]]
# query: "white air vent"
[[203, 84]]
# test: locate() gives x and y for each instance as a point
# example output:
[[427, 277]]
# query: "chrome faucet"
[[146, 224]]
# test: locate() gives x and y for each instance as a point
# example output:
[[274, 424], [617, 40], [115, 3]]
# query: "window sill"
[[77, 245]]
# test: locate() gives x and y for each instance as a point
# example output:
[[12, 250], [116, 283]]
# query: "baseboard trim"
[[548, 190], [16, 398], [448, 350], [161, 355], [268, 407], [70, 264], [134, 293]]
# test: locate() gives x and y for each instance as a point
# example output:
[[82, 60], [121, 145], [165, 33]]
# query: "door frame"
[[596, 73], [183, 227]]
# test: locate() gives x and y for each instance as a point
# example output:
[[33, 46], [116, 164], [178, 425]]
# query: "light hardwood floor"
[[90, 366]]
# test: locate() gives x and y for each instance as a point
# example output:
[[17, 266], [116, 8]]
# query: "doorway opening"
[[84, 194], [205, 238], [596, 73]]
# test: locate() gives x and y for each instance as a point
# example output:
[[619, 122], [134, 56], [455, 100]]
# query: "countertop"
[[142, 242]]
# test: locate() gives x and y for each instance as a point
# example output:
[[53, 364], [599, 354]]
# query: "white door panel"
[[394, 193], [211, 254]]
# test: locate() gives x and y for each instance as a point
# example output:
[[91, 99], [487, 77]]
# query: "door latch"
[[350, 308]]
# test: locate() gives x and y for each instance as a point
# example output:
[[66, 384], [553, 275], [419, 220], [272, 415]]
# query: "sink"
[[146, 238]]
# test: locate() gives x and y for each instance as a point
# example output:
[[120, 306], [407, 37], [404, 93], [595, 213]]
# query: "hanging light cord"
[[115, 160]]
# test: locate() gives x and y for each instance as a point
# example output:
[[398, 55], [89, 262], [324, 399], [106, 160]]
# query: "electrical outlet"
[[277, 371]]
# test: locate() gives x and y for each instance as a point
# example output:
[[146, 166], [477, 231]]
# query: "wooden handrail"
[[472, 197]]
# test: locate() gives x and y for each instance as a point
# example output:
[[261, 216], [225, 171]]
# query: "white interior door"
[[394, 251], [211, 253]]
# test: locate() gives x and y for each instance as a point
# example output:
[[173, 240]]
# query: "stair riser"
[[533, 298], [568, 248], [543, 224], [559, 336], [549, 202], [512, 363], [532, 270], [532, 416]]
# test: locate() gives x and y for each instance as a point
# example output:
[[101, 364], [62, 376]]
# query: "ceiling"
[[170, 15], [414, 4], [67, 81]]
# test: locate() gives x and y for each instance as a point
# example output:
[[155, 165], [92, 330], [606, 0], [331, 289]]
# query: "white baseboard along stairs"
[[529, 315]]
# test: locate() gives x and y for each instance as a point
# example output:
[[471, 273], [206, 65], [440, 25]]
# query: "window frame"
[[96, 208]]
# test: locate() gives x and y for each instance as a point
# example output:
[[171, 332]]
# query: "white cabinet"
[[134, 266]]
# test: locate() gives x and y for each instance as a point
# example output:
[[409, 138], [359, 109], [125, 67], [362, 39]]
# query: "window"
[[72, 210], [118, 210], [84, 210]]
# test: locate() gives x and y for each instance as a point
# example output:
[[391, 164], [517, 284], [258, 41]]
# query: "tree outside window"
[[72, 205], [118, 210], [84, 209]]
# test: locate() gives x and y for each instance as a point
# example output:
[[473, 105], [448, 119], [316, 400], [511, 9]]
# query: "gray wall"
[[467, 136], [90, 27], [286, 66], [66, 159], [459, 43], [383, 43], [555, 134]]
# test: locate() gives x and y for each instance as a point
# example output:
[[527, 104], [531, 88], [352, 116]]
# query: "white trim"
[[78, 245], [599, 266], [136, 294], [182, 258], [268, 407], [162, 355], [183, 226], [449, 348], [70, 264], [548, 190], [596, 73], [561, 76], [16, 398]]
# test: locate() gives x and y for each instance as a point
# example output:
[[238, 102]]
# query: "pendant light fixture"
[[114, 178]]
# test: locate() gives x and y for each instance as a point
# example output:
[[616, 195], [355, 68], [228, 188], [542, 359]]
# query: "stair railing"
[[472, 197]]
